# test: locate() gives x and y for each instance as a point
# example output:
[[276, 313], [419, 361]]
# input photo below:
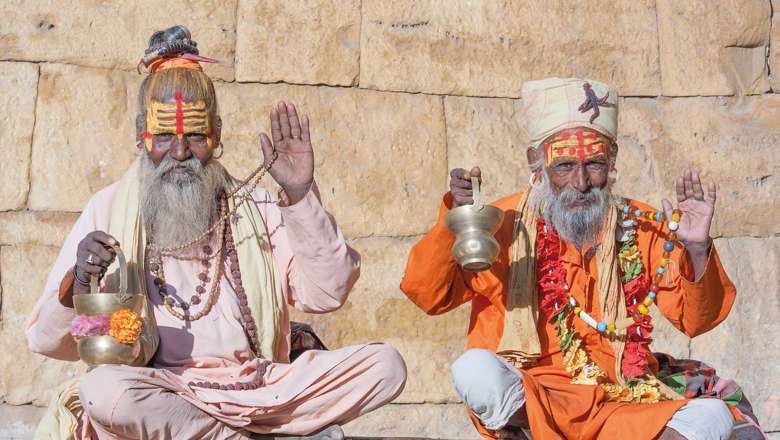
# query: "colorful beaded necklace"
[[560, 307]]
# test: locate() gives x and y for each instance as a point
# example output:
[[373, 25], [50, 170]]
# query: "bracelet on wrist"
[[79, 280]]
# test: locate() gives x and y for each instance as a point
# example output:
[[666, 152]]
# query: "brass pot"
[[474, 226], [102, 350]]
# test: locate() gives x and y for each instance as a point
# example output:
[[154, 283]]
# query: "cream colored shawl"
[[258, 275]]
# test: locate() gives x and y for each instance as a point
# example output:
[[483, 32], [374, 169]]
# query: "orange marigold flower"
[[125, 326]]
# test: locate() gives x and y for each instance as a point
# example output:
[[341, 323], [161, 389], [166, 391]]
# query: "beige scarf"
[[258, 275], [520, 341]]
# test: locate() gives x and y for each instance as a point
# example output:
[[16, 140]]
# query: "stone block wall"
[[398, 93]]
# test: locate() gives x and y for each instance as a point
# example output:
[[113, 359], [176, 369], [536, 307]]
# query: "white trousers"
[[493, 389]]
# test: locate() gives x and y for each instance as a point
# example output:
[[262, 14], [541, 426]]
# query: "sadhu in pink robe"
[[318, 389]]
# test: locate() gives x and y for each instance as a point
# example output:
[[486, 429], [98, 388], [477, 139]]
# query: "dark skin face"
[[574, 174], [191, 144]]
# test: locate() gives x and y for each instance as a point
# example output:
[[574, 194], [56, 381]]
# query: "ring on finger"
[[90, 259]]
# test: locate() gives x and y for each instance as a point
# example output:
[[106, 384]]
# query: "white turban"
[[553, 104]]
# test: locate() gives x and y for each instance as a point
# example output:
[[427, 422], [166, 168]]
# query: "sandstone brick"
[[84, 135], [713, 48], [304, 42], [380, 157], [639, 129], [774, 45], [18, 81], [733, 142], [490, 48], [114, 34], [377, 311], [744, 347], [36, 227], [414, 420], [730, 140], [26, 377], [488, 133]]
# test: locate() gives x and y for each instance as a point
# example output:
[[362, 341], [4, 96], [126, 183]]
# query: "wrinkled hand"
[[460, 185], [293, 169], [93, 256], [696, 210]]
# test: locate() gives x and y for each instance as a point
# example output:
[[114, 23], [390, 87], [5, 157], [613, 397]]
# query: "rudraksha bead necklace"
[[157, 268], [250, 329]]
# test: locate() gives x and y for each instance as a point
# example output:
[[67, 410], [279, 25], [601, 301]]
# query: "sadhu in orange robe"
[[557, 408]]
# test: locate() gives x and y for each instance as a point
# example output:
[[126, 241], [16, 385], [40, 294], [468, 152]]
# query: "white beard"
[[576, 224], [179, 206]]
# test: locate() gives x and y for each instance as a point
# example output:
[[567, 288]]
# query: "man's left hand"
[[696, 211], [293, 169]]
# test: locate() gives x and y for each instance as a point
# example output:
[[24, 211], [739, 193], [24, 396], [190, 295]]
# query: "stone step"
[[394, 421], [18, 422]]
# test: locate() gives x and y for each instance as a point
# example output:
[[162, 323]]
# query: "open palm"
[[293, 168], [695, 207]]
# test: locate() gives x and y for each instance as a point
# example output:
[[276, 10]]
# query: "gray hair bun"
[[174, 40]]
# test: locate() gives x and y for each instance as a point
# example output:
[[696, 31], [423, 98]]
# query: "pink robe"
[[320, 388]]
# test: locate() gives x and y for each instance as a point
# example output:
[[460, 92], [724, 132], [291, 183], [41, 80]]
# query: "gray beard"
[[178, 207], [576, 224]]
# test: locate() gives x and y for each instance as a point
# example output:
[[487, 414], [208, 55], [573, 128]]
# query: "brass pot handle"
[[477, 195], [123, 296]]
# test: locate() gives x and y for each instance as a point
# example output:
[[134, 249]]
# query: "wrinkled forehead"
[[578, 143]]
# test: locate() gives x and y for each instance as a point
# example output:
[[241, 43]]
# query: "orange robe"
[[556, 408]]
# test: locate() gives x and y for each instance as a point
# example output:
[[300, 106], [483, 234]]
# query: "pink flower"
[[84, 325]]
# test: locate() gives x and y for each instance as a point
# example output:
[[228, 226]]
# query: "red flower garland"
[[551, 276], [551, 280], [638, 341]]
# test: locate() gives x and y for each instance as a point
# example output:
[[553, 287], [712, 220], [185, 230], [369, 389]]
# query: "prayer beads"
[[643, 308]]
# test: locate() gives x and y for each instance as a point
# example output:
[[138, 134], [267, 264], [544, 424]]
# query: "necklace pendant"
[[234, 217]]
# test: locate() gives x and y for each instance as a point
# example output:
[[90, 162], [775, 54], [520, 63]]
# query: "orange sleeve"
[[433, 280], [65, 293], [693, 306], [698, 306]]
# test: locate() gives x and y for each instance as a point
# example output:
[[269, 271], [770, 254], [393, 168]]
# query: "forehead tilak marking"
[[179, 116], [585, 144]]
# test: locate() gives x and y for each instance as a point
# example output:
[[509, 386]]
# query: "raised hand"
[[460, 185], [695, 207], [293, 168]]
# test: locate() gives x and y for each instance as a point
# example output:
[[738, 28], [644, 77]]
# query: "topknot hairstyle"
[[193, 85], [174, 40]]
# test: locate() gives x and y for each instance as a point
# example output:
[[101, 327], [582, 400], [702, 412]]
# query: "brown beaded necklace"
[[157, 268], [250, 329]]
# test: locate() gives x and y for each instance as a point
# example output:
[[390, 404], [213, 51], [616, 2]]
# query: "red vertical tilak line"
[[179, 115], [580, 144]]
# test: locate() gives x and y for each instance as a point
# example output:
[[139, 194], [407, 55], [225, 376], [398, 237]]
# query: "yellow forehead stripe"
[[579, 144], [162, 117], [177, 118]]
